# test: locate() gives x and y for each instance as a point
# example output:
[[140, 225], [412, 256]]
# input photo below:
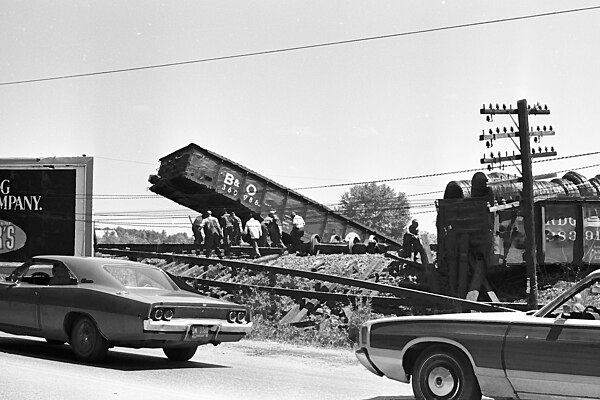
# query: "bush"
[[335, 326]]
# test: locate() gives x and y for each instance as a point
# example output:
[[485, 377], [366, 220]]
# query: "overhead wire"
[[434, 174], [182, 214], [304, 47]]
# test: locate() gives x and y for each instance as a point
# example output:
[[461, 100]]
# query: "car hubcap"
[[440, 381], [85, 337]]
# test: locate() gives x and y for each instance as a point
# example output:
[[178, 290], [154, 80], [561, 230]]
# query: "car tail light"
[[231, 315], [241, 316], [237, 316], [168, 314], [158, 314]]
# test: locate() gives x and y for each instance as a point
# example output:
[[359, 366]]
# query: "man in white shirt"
[[297, 232], [253, 232]]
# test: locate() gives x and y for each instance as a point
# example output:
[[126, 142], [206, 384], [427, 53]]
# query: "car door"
[[554, 356], [19, 305], [58, 299], [23, 305]]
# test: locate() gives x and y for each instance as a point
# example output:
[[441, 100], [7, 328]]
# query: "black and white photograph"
[[329, 200]]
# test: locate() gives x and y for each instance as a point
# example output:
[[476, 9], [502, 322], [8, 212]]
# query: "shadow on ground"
[[115, 359]]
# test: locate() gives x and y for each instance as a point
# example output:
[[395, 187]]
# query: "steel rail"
[[401, 291]]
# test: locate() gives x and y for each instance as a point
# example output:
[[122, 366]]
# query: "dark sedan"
[[552, 353], [98, 303]]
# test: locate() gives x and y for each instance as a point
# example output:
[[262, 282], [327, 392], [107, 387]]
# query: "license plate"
[[199, 331]]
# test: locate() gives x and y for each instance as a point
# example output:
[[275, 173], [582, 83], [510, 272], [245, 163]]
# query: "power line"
[[389, 180], [127, 161], [434, 174], [305, 47]]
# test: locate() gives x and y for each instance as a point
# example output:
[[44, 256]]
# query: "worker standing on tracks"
[[237, 229], [411, 243], [275, 230], [198, 229], [253, 232], [212, 235], [227, 226], [297, 232], [264, 236]]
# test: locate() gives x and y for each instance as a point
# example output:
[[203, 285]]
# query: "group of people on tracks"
[[228, 230]]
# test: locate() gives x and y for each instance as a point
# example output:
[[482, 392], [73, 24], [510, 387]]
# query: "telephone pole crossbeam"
[[504, 135], [537, 109]]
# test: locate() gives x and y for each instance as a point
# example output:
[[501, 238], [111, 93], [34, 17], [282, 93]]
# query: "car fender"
[[73, 316], [438, 340], [490, 380]]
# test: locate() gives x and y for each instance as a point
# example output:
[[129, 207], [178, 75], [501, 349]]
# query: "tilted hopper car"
[[202, 180]]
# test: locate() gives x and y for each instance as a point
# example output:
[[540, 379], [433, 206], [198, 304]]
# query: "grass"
[[327, 327]]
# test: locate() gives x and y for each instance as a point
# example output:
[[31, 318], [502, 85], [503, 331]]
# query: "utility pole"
[[526, 154], [527, 204]]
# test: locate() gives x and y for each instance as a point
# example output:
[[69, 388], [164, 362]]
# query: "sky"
[[306, 93]]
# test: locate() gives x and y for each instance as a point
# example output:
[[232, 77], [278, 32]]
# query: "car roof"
[[92, 267]]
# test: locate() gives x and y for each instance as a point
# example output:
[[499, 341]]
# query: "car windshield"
[[140, 277], [584, 300]]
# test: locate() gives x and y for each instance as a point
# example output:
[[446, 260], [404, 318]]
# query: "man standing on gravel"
[[253, 232], [297, 232], [213, 235], [275, 230], [198, 229], [227, 226], [237, 229]]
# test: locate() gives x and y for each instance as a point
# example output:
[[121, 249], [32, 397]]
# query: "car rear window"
[[140, 277]]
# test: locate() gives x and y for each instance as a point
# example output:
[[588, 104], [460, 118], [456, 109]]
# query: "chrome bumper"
[[184, 326], [363, 357]]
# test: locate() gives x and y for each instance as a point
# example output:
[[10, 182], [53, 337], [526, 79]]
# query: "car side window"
[[40, 273], [61, 275], [16, 275], [36, 274]]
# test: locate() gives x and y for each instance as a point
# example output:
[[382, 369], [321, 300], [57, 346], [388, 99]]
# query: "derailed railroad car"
[[202, 180]]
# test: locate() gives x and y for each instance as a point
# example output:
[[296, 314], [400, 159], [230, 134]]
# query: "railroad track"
[[341, 288]]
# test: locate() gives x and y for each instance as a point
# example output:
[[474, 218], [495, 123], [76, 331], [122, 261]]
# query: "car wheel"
[[88, 344], [180, 353], [444, 374]]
